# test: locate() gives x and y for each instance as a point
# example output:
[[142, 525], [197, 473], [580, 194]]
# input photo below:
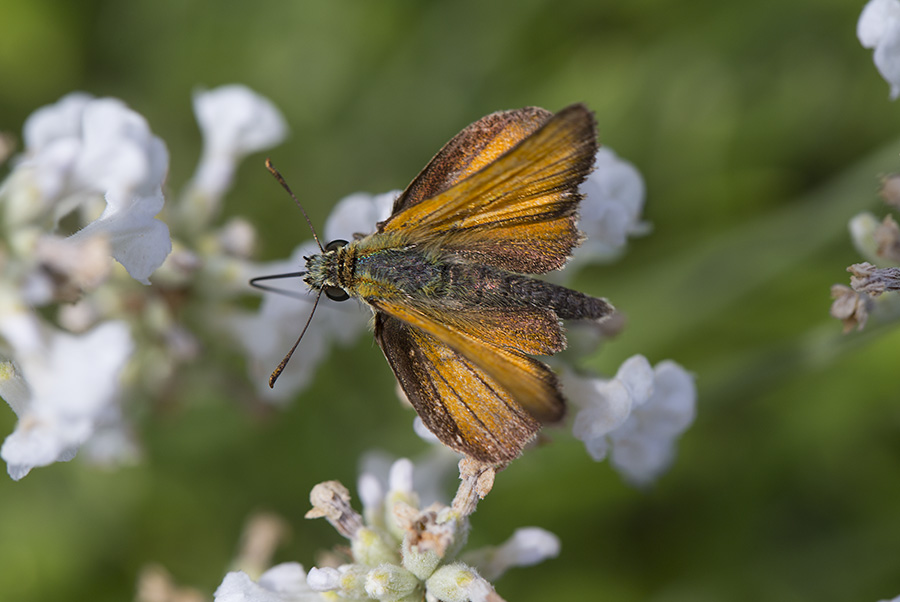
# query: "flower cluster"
[[879, 28], [74, 326], [399, 551], [85, 191]]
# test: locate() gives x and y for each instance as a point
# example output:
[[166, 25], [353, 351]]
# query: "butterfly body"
[[375, 269], [456, 313]]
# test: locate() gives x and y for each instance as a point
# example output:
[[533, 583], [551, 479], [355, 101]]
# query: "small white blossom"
[[82, 151], [638, 415], [119, 154], [235, 121], [527, 546], [378, 472], [611, 210], [282, 583], [52, 137], [457, 583], [358, 214], [70, 382], [138, 240], [879, 28]]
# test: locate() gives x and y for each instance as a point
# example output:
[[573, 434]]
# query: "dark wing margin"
[[518, 211], [477, 145], [462, 405]]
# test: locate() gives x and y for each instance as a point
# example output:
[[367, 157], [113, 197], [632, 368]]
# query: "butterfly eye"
[[336, 293], [335, 244]]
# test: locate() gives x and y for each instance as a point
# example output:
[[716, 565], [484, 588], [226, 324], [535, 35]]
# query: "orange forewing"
[[527, 196], [472, 149]]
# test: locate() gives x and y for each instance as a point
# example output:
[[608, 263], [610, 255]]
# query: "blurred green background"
[[760, 128]]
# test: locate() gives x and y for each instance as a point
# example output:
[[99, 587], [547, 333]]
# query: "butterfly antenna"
[[277, 372], [284, 185]]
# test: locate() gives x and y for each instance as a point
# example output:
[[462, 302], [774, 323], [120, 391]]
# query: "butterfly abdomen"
[[487, 286]]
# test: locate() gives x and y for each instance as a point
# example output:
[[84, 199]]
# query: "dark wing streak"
[[501, 180], [451, 164], [514, 408], [542, 141], [393, 336], [465, 404]]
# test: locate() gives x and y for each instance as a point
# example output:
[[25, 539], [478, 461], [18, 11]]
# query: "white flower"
[[611, 210], [380, 472], [52, 137], [95, 146], [879, 28], [120, 155], [60, 386], [81, 150], [268, 334], [235, 121], [138, 240], [639, 415], [527, 546], [457, 583], [282, 583], [358, 214]]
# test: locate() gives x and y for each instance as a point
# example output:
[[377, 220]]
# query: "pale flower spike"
[[406, 553], [61, 388], [96, 162], [235, 121], [610, 212]]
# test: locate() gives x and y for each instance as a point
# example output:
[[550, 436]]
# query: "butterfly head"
[[326, 270]]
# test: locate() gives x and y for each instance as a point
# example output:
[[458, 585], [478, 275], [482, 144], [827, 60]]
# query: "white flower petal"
[[636, 374], [286, 578], [138, 240], [887, 57], [120, 153], [876, 18], [369, 489], [55, 122], [429, 479], [72, 380], [358, 214], [13, 388], [237, 121], [282, 583], [610, 212], [324, 579], [603, 406], [639, 415], [644, 446], [527, 546], [401, 476]]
